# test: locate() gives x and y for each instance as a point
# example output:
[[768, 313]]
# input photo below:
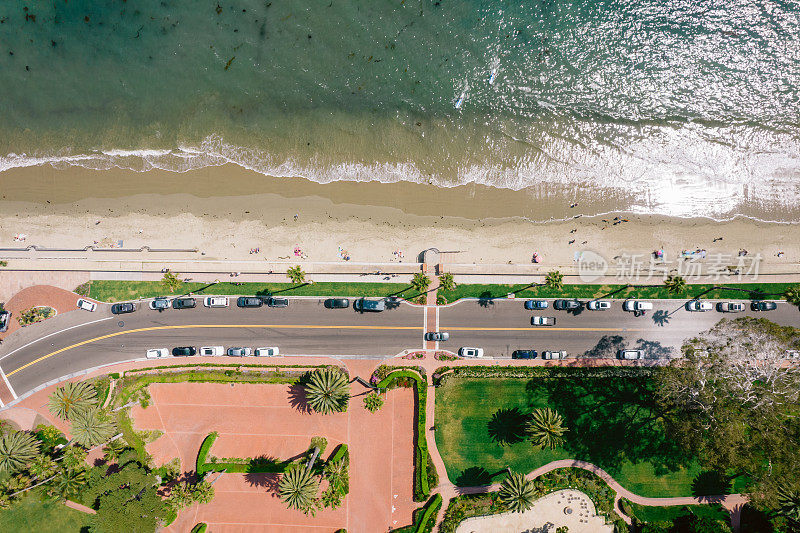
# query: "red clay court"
[[254, 420]]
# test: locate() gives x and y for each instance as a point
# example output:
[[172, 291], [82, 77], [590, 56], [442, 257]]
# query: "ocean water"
[[690, 107]]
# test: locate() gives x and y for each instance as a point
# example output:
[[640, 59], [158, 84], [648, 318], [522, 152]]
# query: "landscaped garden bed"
[[35, 314], [612, 418]]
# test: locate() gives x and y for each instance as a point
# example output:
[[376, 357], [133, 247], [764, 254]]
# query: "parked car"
[[630, 354], [792, 354], [215, 301], [567, 305], [184, 351], [268, 352], [637, 305], [86, 305], [543, 321], [239, 352], [337, 303], [598, 305], [5, 319], [277, 302], [159, 304], [437, 336], [730, 307], [470, 352], [762, 305], [157, 353], [524, 354], [362, 304], [184, 303], [554, 354], [123, 308], [212, 350], [699, 305], [249, 301], [531, 305]]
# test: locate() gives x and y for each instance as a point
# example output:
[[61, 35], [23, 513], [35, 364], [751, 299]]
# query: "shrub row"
[[217, 365], [441, 374], [200, 528], [421, 485], [424, 518]]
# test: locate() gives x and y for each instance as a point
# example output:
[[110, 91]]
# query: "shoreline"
[[228, 211]]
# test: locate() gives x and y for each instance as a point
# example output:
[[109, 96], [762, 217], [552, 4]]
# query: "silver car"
[[598, 305], [630, 354], [239, 352]]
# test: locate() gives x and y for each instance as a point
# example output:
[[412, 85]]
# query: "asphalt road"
[[78, 340]]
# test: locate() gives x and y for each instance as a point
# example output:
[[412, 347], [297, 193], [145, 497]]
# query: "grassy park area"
[[613, 422], [37, 512]]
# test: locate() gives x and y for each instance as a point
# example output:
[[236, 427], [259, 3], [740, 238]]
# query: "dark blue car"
[[535, 304]]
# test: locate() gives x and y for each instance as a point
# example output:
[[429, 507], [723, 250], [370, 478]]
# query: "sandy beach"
[[226, 212]]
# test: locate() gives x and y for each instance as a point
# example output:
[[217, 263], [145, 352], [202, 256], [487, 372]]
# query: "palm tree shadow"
[[661, 318], [267, 481], [709, 484], [606, 347], [474, 476], [297, 398], [486, 299], [507, 426]]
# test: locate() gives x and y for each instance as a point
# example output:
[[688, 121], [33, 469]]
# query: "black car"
[[337, 303], [184, 351], [121, 309], [249, 301], [763, 306], [277, 302], [184, 303], [566, 305], [524, 354]]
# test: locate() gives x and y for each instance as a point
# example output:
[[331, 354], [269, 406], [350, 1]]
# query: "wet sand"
[[226, 211]]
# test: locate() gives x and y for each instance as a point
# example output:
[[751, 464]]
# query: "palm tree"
[[554, 279], [446, 282], [296, 274], [91, 427], [298, 488], [17, 450], [420, 282], [73, 458], [516, 492], [675, 284], [171, 280], [546, 428], [203, 492], [42, 467], [72, 398], [68, 483], [792, 295], [327, 391], [789, 503], [113, 449]]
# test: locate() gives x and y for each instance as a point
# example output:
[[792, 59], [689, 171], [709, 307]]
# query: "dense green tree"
[[789, 504], [545, 427], [128, 500], [17, 451], [327, 391], [91, 427], [67, 483], [792, 295], [298, 489], [171, 280], [73, 458], [554, 280], [42, 467], [420, 282], [516, 492], [202, 492], [113, 449], [72, 398]]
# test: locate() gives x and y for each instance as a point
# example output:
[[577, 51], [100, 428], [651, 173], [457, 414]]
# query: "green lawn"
[[740, 290], [43, 516], [613, 423], [650, 514], [115, 291]]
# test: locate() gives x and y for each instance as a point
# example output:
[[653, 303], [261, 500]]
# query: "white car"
[[157, 353], [470, 352], [268, 351], [543, 321], [637, 305], [554, 354], [215, 301], [86, 305], [212, 350], [698, 305], [159, 304], [792, 354], [239, 352], [598, 305], [730, 307], [630, 354]]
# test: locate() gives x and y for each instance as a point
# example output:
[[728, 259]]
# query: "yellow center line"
[[189, 326]]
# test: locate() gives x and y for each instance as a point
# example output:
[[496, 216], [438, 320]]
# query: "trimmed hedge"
[[440, 376], [200, 528], [202, 453], [424, 518], [340, 452], [242, 466], [421, 485]]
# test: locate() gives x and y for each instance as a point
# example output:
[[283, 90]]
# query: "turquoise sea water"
[[694, 106]]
